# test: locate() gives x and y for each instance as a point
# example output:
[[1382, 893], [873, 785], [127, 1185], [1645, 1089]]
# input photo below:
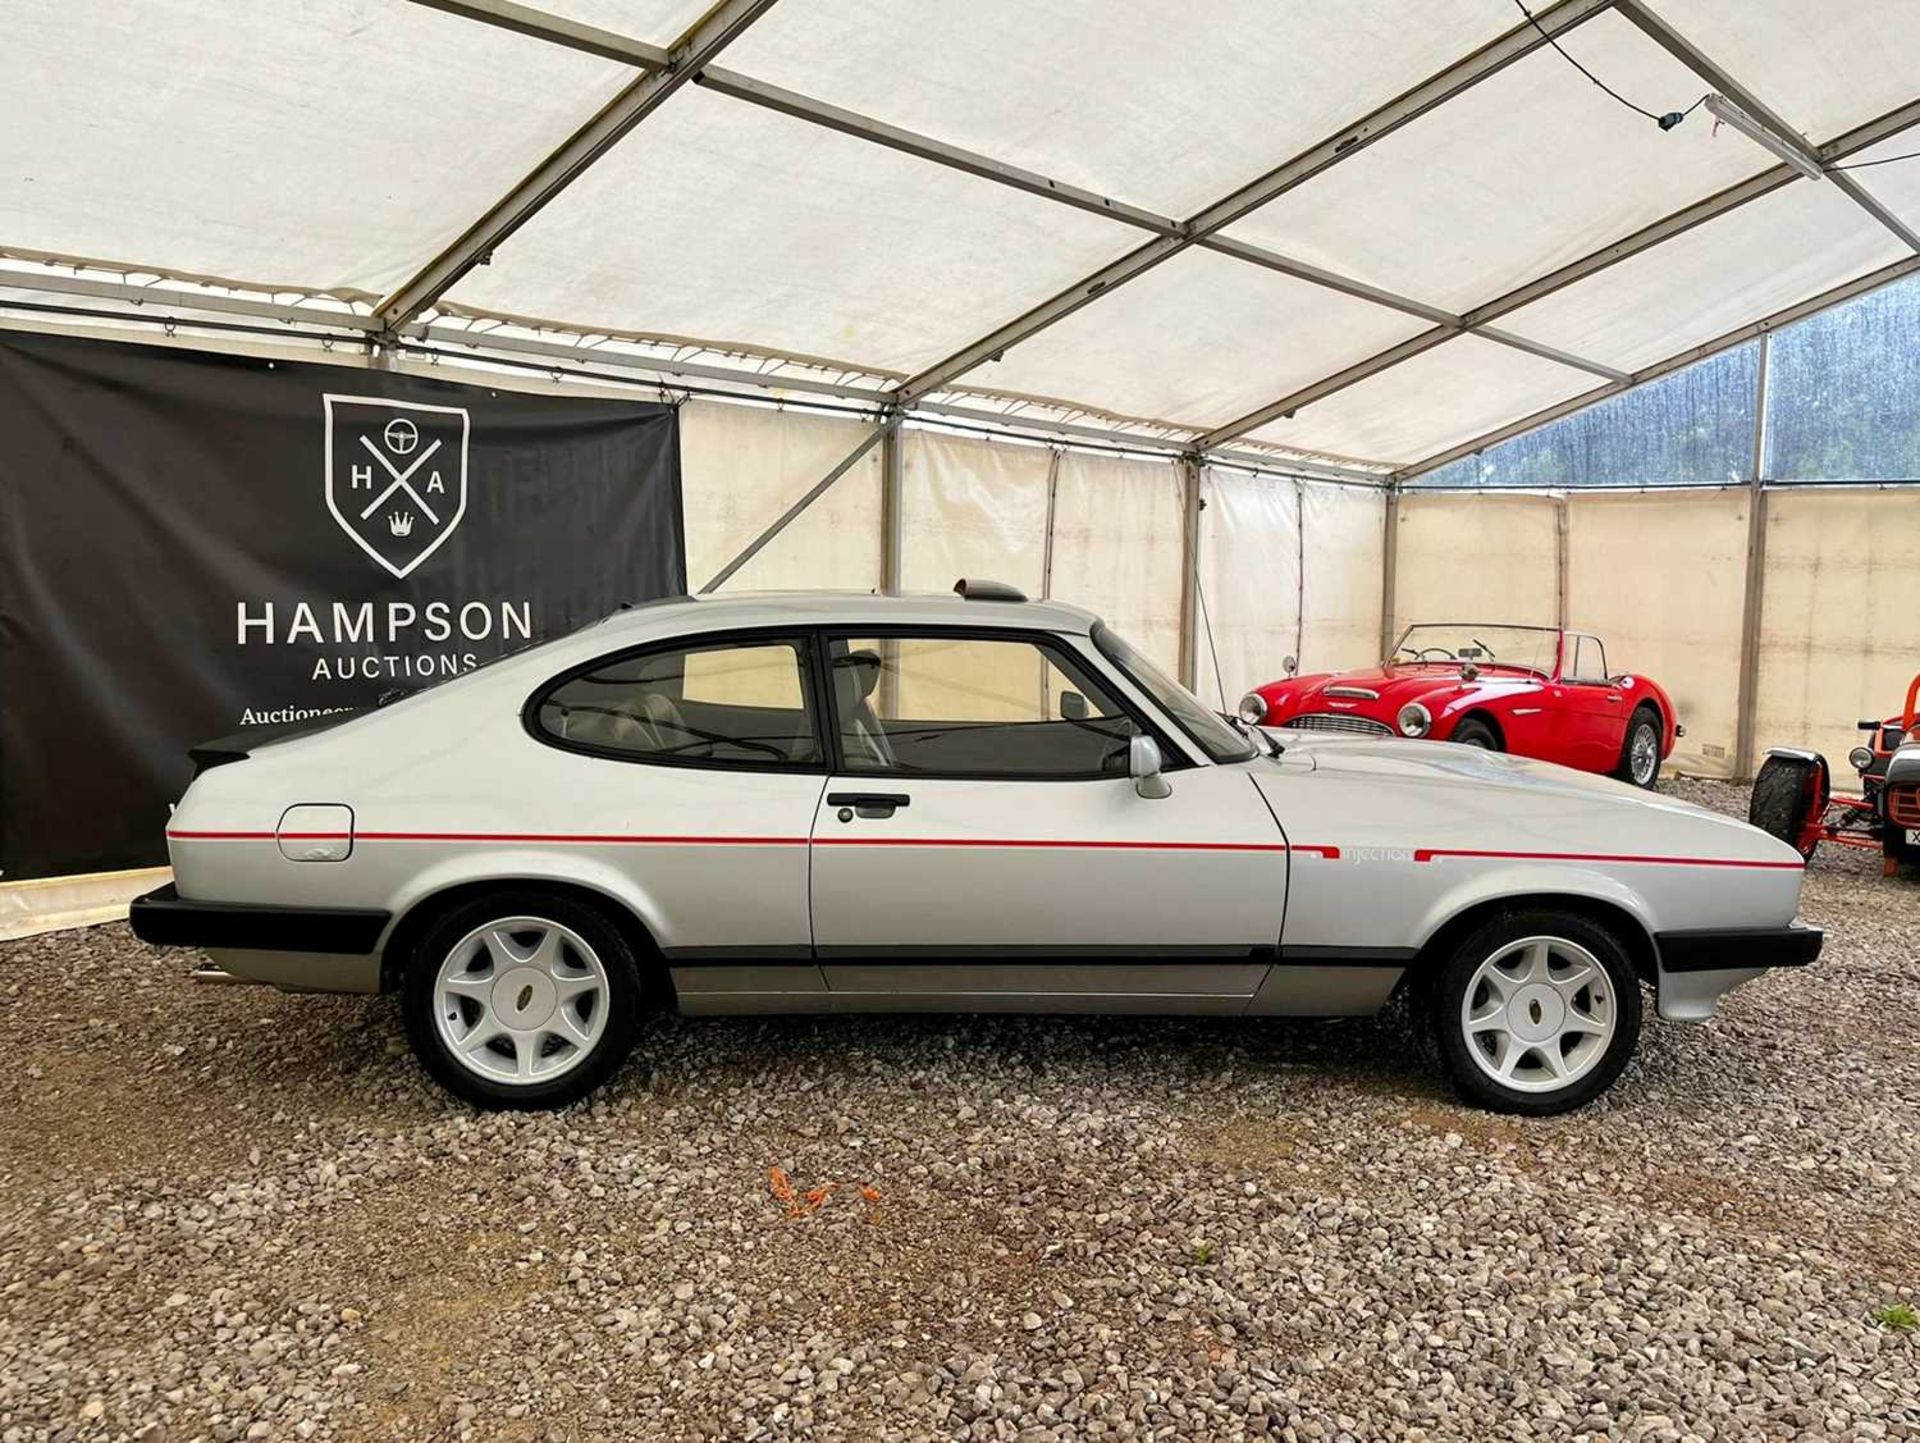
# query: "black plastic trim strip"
[[1348, 956], [165, 919], [1717, 949], [1090, 953], [736, 956]]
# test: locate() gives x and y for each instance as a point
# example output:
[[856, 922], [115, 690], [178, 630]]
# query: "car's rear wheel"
[[1475, 733], [526, 999], [1536, 1012], [1640, 753]]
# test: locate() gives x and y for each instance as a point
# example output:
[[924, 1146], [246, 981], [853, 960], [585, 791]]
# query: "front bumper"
[[1723, 949], [166, 919], [1698, 969]]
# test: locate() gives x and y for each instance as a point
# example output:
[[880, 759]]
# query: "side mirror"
[[1289, 664], [1073, 706], [1143, 765]]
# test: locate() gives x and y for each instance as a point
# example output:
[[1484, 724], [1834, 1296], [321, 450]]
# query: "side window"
[[973, 706], [1589, 660], [738, 705]]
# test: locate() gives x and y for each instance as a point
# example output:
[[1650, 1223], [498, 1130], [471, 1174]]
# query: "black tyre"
[[1784, 795], [523, 999], [1475, 733], [1536, 1012], [1640, 751]]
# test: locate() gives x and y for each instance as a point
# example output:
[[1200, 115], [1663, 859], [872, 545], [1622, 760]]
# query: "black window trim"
[[1173, 758], [802, 639], [1254, 751]]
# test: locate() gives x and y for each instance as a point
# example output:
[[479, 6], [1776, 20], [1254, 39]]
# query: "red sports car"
[[1535, 691]]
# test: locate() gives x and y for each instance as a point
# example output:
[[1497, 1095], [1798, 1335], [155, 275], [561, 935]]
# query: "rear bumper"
[[166, 919], [1719, 949]]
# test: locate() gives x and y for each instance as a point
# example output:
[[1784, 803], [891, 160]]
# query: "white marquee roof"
[[1373, 232]]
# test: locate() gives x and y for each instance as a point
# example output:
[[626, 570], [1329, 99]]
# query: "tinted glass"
[[1214, 737], [723, 705], [972, 706]]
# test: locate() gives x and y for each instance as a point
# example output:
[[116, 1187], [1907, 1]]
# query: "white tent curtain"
[[973, 508], [1660, 578], [1117, 546], [1345, 537], [1249, 582], [1836, 615], [742, 466], [1475, 557]]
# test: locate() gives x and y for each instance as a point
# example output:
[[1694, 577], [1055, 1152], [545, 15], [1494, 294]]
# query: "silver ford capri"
[[974, 802]]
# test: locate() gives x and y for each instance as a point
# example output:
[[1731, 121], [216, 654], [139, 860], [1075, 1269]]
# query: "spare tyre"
[[1788, 794]]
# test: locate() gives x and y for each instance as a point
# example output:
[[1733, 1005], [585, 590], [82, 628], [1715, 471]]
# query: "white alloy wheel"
[[1538, 1014], [521, 1000]]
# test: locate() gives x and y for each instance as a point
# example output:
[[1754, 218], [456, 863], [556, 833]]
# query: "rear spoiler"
[[237, 748]]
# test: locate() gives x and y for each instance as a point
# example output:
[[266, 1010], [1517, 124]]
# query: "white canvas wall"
[[1249, 581], [1836, 615], [742, 466], [1660, 578], [1475, 557], [972, 508], [1117, 547], [1345, 547]]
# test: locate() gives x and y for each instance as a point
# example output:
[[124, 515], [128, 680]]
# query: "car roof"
[[675, 615]]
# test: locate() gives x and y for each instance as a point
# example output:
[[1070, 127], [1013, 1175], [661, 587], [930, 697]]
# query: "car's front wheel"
[[1537, 1012], [521, 1000], [1475, 733]]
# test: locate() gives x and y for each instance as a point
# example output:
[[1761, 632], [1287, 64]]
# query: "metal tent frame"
[[420, 316]]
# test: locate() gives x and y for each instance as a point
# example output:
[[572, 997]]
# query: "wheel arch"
[[1615, 916], [420, 914], [1480, 713]]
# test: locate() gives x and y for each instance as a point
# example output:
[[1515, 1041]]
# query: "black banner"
[[194, 544]]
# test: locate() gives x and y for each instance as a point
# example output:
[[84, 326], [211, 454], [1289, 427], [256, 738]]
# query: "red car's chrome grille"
[[1333, 721], [1903, 806]]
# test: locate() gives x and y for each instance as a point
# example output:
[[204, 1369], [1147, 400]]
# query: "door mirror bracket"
[[1143, 764]]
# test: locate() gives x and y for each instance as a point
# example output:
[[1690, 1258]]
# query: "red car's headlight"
[[1252, 709]]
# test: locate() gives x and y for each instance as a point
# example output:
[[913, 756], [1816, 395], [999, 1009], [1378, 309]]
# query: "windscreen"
[[1450, 643], [1214, 736]]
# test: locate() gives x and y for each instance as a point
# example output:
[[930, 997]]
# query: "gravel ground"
[[225, 1213]]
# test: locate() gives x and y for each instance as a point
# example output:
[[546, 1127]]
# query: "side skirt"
[[1216, 982]]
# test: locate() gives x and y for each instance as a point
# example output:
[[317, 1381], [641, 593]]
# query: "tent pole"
[[893, 478], [819, 489], [1756, 579], [1389, 570], [1053, 497], [1190, 571], [1562, 520]]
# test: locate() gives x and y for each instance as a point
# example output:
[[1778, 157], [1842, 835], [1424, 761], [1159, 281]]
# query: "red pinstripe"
[[603, 839], [1428, 854]]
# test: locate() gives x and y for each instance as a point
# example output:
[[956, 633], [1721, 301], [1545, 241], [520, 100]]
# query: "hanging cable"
[[1883, 160], [1665, 122], [1206, 622]]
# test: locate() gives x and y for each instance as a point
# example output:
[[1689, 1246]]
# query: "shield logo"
[[396, 475]]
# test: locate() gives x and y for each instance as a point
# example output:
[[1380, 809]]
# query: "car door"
[[981, 842], [1594, 710], [693, 769]]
